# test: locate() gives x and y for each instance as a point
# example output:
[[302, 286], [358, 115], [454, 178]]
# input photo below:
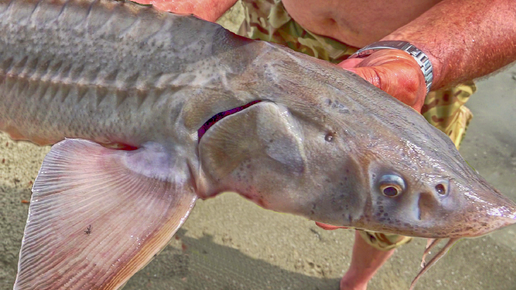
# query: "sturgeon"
[[149, 111]]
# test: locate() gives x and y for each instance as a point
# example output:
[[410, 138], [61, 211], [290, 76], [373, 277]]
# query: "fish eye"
[[391, 185], [390, 191], [441, 189]]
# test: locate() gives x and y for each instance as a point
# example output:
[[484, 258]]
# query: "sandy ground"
[[230, 243]]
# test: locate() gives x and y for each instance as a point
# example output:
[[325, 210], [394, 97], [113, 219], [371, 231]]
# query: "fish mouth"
[[219, 116]]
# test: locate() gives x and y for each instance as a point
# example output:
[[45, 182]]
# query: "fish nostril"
[[441, 189], [330, 136]]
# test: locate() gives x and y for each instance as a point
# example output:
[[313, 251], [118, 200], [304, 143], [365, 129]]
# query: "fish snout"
[[437, 207], [486, 210], [454, 211]]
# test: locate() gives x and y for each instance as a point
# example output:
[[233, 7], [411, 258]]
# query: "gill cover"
[[254, 152]]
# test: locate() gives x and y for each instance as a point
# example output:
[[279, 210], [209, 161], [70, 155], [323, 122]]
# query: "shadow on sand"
[[204, 264]]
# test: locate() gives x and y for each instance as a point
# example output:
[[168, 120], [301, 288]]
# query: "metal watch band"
[[420, 57]]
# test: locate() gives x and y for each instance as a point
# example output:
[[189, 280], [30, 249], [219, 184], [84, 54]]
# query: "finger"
[[329, 227], [394, 72], [397, 80], [350, 63]]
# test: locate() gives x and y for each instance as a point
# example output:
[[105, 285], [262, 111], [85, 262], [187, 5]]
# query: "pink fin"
[[98, 215]]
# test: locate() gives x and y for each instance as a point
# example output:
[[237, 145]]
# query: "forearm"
[[464, 39], [209, 10]]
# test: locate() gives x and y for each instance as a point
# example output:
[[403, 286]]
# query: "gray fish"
[[149, 111]]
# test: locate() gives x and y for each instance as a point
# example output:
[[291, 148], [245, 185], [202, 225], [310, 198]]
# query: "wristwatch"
[[420, 57]]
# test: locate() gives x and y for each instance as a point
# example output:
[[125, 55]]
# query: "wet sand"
[[230, 243]]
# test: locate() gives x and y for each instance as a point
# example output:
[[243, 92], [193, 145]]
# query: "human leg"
[[365, 262]]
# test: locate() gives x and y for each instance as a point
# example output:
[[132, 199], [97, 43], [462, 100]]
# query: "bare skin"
[[365, 262], [356, 23], [464, 40]]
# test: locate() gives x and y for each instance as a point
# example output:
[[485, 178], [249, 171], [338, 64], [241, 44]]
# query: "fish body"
[[198, 111]]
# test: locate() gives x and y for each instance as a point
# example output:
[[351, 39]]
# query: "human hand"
[[394, 72], [329, 227], [209, 10]]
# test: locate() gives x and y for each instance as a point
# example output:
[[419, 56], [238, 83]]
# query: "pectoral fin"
[[98, 215]]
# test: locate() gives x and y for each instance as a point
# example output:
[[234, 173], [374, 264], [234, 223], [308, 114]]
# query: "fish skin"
[[114, 72], [103, 77]]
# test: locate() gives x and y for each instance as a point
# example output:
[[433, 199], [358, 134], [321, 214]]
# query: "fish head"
[[323, 143], [426, 191]]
